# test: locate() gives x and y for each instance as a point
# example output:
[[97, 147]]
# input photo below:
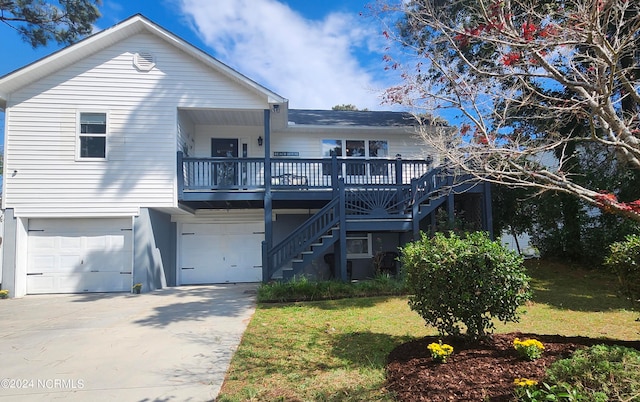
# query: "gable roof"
[[103, 39]]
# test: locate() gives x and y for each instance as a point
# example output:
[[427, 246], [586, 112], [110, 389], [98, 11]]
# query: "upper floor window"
[[92, 137], [355, 148], [354, 151]]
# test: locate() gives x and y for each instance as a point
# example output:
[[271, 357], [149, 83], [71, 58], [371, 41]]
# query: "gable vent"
[[144, 61]]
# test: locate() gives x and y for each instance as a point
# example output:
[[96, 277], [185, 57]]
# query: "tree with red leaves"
[[518, 71]]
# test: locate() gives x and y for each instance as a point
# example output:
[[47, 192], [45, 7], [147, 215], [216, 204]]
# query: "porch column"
[[268, 222], [180, 176], [450, 201], [415, 210], [399, 183], [341, 245], [488, 209]]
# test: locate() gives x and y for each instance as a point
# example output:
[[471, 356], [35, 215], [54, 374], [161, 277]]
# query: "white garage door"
[[79, 255], [221, 252]]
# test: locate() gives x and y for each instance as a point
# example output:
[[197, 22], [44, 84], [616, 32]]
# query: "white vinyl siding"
[[47, 180], [308, 142], [245, 135]]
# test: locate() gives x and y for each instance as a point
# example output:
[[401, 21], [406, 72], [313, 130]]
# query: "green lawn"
[[336, 350]]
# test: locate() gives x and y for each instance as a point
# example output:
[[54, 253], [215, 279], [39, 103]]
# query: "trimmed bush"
[[624, 262], [466, 280], [303, 289], [600, 373]]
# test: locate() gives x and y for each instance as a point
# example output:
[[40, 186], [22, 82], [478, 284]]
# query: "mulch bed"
[[477, 372]]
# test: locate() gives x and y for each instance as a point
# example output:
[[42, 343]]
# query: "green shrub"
[[531, 391], [304, 289], [600, 373], [469, 280], [624, 262]]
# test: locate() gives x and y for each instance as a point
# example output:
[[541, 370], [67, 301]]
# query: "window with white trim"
[[92, 136], [359, 245], [357, 149]]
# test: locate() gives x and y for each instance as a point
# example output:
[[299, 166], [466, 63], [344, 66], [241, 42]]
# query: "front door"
[[225, 173]]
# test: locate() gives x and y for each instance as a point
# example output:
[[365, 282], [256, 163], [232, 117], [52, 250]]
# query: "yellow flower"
[[525, 382], [440, 351], [530, 349], [527, 343]]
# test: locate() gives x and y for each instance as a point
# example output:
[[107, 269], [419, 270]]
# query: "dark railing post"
[[342, 241], [415, 209], [399, 170], [334, 173], [450, 200], [180, 169], [399, 181]]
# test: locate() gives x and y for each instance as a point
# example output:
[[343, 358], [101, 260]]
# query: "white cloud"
[[313, 63]]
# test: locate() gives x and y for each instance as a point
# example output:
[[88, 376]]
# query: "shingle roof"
[[351, 118]]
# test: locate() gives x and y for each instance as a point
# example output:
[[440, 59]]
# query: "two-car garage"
[[78, 255]]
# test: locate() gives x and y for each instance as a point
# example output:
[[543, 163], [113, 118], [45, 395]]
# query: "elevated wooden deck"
[[247, 179]]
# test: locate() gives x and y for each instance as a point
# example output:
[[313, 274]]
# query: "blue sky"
[[317, 54]]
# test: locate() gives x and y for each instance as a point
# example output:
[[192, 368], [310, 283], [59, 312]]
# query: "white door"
[[221, 252], [79, 255]]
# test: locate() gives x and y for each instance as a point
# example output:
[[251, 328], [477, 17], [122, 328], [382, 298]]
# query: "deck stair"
[[350, 208]]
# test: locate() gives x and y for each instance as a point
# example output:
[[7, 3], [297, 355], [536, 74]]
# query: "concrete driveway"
[[169, 345]]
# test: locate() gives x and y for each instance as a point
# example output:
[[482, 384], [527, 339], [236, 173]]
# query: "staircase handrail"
[[300, 239], [423, 187]]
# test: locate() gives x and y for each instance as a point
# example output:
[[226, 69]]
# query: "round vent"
[[144, 61]]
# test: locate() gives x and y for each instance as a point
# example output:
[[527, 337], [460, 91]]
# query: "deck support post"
[[451, 212], [180, 176], [341, 245], [268, 209], [488, 209]]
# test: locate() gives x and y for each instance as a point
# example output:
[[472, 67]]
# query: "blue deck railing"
[[210, 174]]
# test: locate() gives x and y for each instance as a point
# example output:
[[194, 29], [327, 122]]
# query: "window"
[[357, 149], [378, 149], [331, 147], [358, 245], [92, 139]]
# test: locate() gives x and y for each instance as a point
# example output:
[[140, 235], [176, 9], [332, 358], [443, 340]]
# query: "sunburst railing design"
[[378, 201]]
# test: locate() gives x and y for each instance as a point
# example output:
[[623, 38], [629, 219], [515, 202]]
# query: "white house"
[[134, 157]]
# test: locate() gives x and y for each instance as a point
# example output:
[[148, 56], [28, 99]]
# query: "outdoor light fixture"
[[260, 141], [276, 108]]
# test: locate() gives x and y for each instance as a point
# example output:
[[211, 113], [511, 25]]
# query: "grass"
[[336, 350]]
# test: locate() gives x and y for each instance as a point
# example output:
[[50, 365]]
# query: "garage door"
[[79, 255], [220, 253]]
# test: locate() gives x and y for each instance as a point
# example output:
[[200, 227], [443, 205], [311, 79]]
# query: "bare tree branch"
[[520, 72]]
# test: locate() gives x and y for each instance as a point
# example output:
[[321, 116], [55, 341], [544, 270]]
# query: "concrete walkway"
[[170, 345]]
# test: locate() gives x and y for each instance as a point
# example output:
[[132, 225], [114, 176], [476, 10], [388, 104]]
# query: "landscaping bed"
[[475, 372]]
